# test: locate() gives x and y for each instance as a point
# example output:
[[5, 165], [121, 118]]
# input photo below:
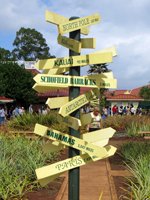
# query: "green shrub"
[[28, 121], [137, 156], [18, 161], [130, 124]]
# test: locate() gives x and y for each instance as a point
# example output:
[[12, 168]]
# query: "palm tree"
[[98, 69]]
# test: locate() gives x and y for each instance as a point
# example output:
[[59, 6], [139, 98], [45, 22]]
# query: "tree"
[[98, 69], [145, 92], [5, 55], [16, 82], [30, 45]]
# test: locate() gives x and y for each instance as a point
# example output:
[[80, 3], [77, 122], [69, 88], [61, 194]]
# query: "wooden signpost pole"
[[74, 174]]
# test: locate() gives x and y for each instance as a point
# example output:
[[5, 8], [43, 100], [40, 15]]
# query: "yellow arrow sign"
[[70, 163], [52, 147], [57, 102], [69, 140], [98, 138], [72, 122], [98, 135], [109, 49], [62, 80], [88, 43], [78, 23], [74, 45], [55, 71], [78, 81], [106, 83], [42, 88], [82, 60], [57, 19], [76, 103]]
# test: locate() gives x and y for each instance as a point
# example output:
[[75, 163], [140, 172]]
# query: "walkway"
[[94, 181]]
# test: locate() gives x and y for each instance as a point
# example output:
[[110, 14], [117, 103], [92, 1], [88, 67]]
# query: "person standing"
[[96, 120], [30, 109], [2, 115]]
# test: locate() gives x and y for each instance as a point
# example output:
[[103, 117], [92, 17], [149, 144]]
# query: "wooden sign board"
[[72, 122], [76, 103], [78, 23], [100, 138], [65, 81], [73, 61], [108, 75], [42, 88], [68, 140], [106, 83], [109, 49], [57, 102], [55, 71], [89, 43], [98, 135], [86, 119], [70, 163], [56, 81], [53, 147], [69, 43], [58, 19]]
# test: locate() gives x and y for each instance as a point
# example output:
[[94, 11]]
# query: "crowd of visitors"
[[20, 110], [126, 110]]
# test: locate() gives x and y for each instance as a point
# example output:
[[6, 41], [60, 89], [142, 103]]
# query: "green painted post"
[[74, 174]]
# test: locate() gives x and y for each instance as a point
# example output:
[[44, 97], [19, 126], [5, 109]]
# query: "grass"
[[18, 161], [28, 121], [128, 124], [137, 156]]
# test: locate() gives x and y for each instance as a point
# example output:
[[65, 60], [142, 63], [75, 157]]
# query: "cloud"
[[124, 24]]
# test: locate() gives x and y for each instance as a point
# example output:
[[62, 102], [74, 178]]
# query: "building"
[[126, 98]]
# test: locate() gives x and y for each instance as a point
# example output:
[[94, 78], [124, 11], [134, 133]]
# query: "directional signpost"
[[79, 23], [87, 147], [74, 61]]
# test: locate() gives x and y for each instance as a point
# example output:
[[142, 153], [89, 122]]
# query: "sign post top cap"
[[73, 17]]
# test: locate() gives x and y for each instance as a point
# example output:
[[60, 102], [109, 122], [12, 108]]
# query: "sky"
[[124, 24]]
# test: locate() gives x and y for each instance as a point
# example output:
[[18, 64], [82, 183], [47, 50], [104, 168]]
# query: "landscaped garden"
[[20, 156]]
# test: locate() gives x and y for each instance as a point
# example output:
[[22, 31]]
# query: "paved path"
[[93, 181]]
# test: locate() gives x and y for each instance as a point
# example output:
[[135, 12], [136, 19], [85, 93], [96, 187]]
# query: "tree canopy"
[[98, 68], [5, 55], [30, 45], [16, 82], [145, 92]]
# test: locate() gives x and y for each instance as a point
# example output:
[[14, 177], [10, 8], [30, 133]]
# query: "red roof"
[[5, 100], [124, 97], [33, 71], [60, 92]]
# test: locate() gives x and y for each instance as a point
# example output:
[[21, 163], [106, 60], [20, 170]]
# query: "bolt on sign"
[[74, 61], [57, 19], [77, 24]]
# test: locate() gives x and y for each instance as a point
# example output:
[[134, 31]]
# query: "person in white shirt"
[[96, 120]]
